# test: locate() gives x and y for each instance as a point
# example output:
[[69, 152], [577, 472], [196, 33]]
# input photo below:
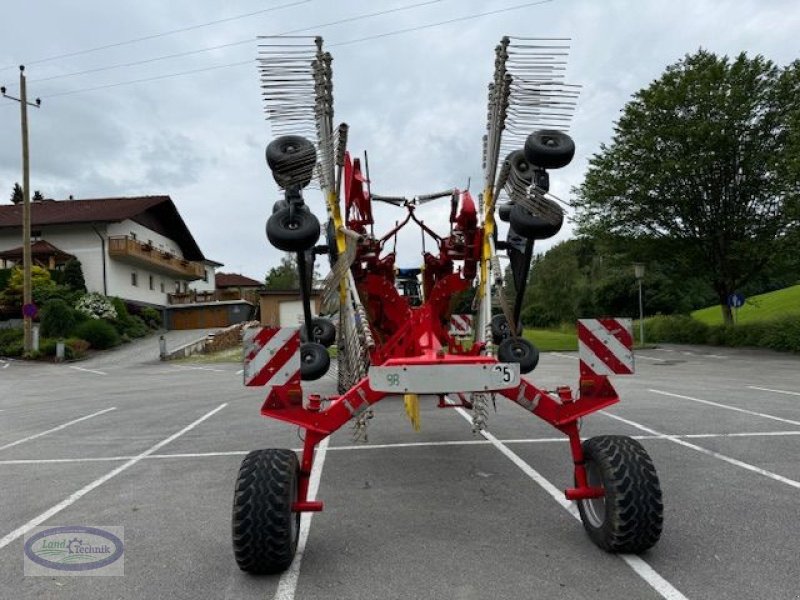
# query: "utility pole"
[[27, 292]]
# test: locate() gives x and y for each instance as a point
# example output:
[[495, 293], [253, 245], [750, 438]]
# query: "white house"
[[136, 248]]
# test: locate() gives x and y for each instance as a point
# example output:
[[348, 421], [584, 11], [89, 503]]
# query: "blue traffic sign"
[[735, 300]]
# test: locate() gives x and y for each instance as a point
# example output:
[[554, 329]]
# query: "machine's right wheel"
[[500, 328], [629, 517], [314, 361], [265, 529], [291, 158], [518, 350], [293, 230]]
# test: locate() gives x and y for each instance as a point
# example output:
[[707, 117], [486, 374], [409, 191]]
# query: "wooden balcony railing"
[[194, 297], [126, 249]]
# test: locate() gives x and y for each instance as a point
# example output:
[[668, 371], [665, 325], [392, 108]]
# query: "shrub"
[[151, 317], [5, 275], [76, 348], [11, 342], [135, 327], [73, 275], [678, 329], [96, 306], [58, 319], [98, 333]]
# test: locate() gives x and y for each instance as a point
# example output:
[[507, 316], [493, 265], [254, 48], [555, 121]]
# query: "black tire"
[[630, 516], [279, 205], [504, 211], [265, 529], [293, 230], [314, 361], [323, 331], [549, 149], [291, 158], [518, 350], [500, 328], [330, 238], [521, 165], [534, 227]]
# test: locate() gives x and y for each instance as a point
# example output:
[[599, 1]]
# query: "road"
[[155, 447]]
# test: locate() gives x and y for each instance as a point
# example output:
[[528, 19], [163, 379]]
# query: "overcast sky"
[[415, 101]]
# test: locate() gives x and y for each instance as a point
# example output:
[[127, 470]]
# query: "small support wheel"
[[265, 529], [501, 329], [314, 361], [323, 331], [293, 229], [518, 350], [549, 149], [537, 227], [291, 158], [629, 517]]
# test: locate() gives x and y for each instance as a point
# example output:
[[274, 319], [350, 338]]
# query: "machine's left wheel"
[[630, 516], [265, 529], [293, 230], [519, 350], [323, 331]]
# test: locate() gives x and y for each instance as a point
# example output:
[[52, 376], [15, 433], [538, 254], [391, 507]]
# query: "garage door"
[[290, 313], [200, 318]]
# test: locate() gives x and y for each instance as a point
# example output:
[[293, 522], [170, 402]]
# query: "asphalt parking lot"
[[155, 447]]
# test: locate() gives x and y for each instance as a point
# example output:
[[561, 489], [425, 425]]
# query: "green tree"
[[704, 161], [284, 276], [37, 196], [73, 275], [17, 195]]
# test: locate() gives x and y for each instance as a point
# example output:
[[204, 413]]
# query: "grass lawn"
[[550, 340], [758, 308]]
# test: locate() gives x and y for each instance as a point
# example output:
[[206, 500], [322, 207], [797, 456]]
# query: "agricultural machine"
[[393, 326]]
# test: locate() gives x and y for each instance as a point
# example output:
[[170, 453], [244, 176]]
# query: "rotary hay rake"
[[394, 333]]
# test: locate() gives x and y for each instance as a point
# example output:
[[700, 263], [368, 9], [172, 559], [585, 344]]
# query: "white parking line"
[[287, 585], [639, 566], [653, 358], [733, 461], [726, 407], [564, 355], [180, 367], [89, 371], [360, 447], [20, 531], [59, 428], [753, 387]]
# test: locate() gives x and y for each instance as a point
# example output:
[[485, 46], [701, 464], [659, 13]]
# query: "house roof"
[[155, 212], [224, 280], [38, 248]]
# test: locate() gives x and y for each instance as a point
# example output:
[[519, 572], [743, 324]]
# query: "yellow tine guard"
[[411, 402]]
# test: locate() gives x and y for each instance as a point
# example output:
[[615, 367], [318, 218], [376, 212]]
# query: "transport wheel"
[[293, 230], [549, 149], [279, 205], [323, 331], [291, 158], [504, 211], [535, 227], [518, 350], [265, 529], [500, 328], [630, 515], [314, 361]]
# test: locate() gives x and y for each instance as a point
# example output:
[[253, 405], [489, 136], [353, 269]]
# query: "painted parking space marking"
[[88, 370], [763, 389], [726, 407], [54, 510], [637, 564], [58, 428], [397, 446], [723, 457], [287, 585]]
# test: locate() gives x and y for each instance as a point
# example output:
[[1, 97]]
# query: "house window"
[[36, 235], [134, 279], [152, 283], [177, 287], [162, 287], [205, 275], [133, 235]]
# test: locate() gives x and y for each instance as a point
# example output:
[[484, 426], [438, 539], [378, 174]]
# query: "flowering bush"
[[96, 306]]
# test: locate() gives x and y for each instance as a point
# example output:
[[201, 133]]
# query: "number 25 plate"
[[443, 379]]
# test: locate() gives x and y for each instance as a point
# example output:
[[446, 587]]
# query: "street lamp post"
[[638, 271]]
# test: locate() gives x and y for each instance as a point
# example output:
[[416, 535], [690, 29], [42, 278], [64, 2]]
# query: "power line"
[[237, 43], [159, 35], [345, 43]]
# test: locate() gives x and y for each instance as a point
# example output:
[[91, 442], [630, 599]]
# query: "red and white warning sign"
[[461, 324], [271, 356], [605, 346]]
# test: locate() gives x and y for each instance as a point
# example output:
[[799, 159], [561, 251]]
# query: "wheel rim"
[[594, 508]]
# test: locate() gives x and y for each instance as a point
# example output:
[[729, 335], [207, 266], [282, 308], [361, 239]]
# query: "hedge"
[[781, 334]]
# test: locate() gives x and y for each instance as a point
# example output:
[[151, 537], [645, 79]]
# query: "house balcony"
[[195, 297], [126, 249]]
